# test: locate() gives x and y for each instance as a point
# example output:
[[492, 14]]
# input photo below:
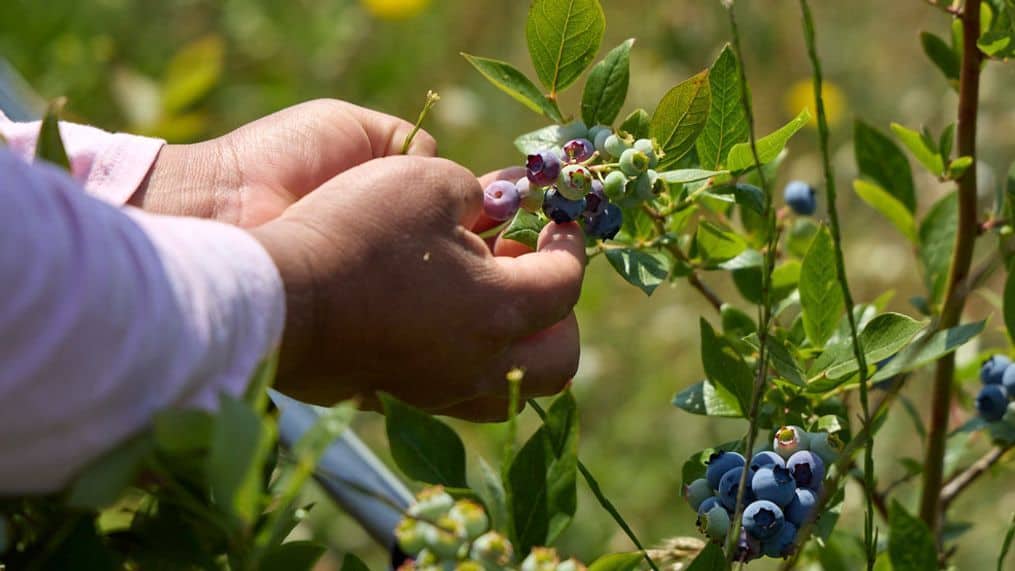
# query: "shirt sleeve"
[[110, 166], [108, 315]]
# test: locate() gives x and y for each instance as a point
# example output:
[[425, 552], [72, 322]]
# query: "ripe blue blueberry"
[[715, 523], [579, 150], [531, 195], [992, 402], [615, 185], [774, 484], [646, 146], [789, 439], [599, 140], [781, 545], [606, 224], [801, 507], [729, 485], [801, 197], [807, 469], [826, 446], [719, 463], [615, 145], [560, 209], [542, 168], [709, 503], [501, 200], [697, 492], [575, 181], [992, 370], [633, 162], [766, 458], [1008, 381], [763, 519]]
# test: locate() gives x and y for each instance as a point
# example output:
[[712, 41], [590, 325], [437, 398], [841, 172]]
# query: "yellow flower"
[[395, 9], [801, 94]]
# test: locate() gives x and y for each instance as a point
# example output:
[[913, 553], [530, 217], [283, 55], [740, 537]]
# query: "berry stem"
[[869, 530], [659, 221], [431, 99], [962, 257], [959, 483]]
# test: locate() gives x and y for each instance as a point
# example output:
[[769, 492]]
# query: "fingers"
[[542, 287], [387, 133]]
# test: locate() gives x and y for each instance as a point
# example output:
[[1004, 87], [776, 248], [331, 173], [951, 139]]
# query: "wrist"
[[188, 180]]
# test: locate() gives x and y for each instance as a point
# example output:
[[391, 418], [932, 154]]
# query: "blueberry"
[[763, 519], [789, 439], [579, 150], [647, 185], [801, 507], [431, 503], [441, 540], [596, 130], [595, 200], [615, 145], [826, 446], [1008, 381], [575, 181], [807, 469], [715, 523], [748, 547], [614, 185], [501, 200], [492, 548], [774, 484], [719, 463], [709, 503], [646, 146], [471, 517], [606, 224], [542, 168], [781, 545], [633, 162], [410, 537], [766, 458], [599, 140], [531, 195], [729, 485], [571, 564], [560, 209], [992, 370], [801, 197], [697, 492], [541, 559], [992, 402]]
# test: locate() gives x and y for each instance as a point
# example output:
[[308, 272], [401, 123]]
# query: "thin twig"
[[659, 221], [959, 483]]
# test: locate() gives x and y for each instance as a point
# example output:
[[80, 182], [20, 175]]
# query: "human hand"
[[251, 175], [388, 289]]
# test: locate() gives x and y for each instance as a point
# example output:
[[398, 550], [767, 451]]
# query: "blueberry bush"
[[678, 194]]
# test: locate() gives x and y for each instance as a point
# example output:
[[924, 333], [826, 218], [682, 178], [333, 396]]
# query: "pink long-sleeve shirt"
[[109, 314]]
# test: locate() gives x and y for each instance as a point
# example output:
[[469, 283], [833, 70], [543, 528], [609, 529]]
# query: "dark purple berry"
[[992, 402], [501, 200], [606, 224], [807, 469], [542, 168], [579, 150], [595, 200], [729, 486], [801, 197], [560, 209], [781, 545], [992, 371]]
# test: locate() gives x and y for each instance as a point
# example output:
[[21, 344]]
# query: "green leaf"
[[539, 140], [494, 496], [513, 82], [958, 167], [182, 431], [707, 399], [942, 54], [741, 158], [424, 448], [784, 363], [717, 245], [524, 228], [239, 444], [263, 379], [883, 337], [638, 124], [617, 562], [529, 506], [352, 563], [1006, 546], [192, 73], [1009, 304], [563, 38], [684, 176], [888, 206], [647, 270], [297, 556], [910, 545], [937, 239], [606, 87], [711, 558], [820, 293], [881, 160], [922, 149], [49, 145], [561, 427], [724, 365], [680, 117], [727, 120], [920, 352], [736, 322], [103, 481], [999, 39]]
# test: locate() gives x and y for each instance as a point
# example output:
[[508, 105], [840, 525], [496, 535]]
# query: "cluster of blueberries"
[[783, 487], [998, 377], [582, 180], [441, 534]]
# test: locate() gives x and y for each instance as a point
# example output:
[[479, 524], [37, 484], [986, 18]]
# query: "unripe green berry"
[[697, 492], [827, 446], [633, 162], [615, 185], [541, 559], [575, 182], [471, 517], [410, 536], [492, 549], [469, 565], [615, 145], [431, 503], [444, 539], [570, 565], [600, 141], [715, 523], [646, 146], [790, 439], [530, 194], [426, 558]]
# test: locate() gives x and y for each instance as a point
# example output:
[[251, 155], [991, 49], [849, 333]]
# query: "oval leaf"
[[820, 294], [606, 87], [563, 38], [424, 448], [881, 160], [888, 206], [911, 545], [741, 158], [680, 118], [647, 270], [49, 145], [727, 120], [513, 82], [617, 562]]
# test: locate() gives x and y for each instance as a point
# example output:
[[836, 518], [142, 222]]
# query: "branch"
[[962, 481], [659, 221], [962, 257]]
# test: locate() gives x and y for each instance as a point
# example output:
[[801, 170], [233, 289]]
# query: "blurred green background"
[[187, 70]]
